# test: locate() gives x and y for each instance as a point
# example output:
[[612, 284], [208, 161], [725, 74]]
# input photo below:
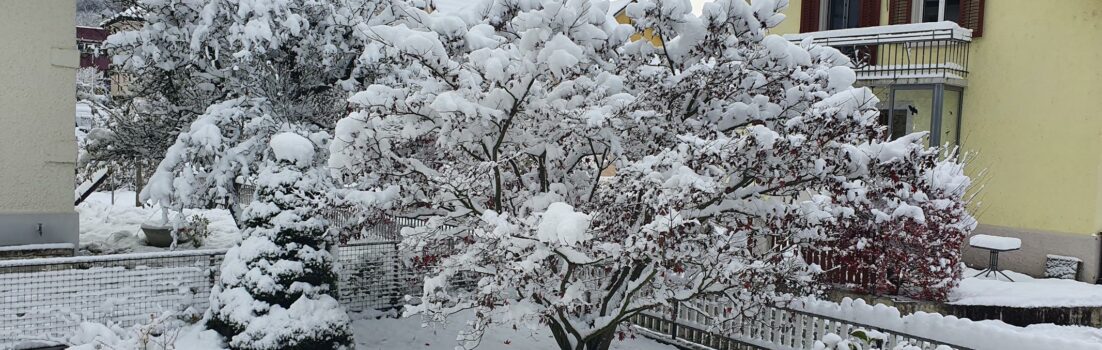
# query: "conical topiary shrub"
[[278, 286]]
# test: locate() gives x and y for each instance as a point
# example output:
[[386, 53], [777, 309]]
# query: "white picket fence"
[[772, 328]]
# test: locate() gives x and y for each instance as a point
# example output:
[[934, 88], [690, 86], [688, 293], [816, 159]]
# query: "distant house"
[[90, 44], [37, 146], [128, 20]]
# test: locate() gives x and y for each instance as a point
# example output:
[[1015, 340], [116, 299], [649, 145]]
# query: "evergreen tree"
[[278, 287]]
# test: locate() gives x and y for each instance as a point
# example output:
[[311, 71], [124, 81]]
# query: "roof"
[[91, 34], [133, 13]]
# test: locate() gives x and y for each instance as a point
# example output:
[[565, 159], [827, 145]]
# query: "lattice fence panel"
[[46, 299]]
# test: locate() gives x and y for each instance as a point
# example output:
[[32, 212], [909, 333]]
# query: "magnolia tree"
[[278, 287], [729, 150], [241, 70]]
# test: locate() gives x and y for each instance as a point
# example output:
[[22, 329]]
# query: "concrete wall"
[[1036, 245], [38, 64]]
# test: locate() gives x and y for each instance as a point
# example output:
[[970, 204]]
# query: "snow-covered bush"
[[161, 332], [238, 71], [195, 229], [908, 236], [277, 289]]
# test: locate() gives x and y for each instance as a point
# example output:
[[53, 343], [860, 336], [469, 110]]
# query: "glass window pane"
[[952, 10], [843, 14], [914, 109], [950, 117], [930, 10]]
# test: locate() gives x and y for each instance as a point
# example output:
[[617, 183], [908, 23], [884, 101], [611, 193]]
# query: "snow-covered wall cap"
[[886, 34], [293, 148]]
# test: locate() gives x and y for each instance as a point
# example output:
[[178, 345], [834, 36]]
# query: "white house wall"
[[38, 61]]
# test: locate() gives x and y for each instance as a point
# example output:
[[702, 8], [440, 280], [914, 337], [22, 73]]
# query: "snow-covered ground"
[[107, 228], [407, 334], [1025, 291], [370, 334], [1081, 333]]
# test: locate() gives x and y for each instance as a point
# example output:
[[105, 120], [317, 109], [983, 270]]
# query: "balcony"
[[917, 53]]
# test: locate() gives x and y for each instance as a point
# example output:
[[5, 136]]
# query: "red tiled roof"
[[91, 34]]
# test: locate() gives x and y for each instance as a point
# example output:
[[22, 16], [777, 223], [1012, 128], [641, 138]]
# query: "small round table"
[[994, 245]]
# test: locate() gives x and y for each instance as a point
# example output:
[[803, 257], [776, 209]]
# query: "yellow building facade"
[[1023, 100]]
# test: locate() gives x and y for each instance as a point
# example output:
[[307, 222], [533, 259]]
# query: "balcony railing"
[[920, 51]]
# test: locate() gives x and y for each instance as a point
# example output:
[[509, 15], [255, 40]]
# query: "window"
[[841, 14], [933, 108], [937, 10]]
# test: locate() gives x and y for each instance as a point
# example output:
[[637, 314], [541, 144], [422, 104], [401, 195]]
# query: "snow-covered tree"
[[239, 71], [278, 287], [732, 150]]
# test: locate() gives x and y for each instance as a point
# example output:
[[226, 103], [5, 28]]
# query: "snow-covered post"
[[278, 287], [498, 123]]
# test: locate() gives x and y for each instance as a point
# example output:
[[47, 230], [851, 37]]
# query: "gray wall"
[[1036, 245]]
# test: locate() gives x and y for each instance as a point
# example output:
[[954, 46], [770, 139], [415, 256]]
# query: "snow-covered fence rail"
[[45, 299], [774, 328]]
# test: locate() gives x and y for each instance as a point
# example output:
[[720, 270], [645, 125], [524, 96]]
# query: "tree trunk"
[[138, 184], [561, 338], [600, 341]]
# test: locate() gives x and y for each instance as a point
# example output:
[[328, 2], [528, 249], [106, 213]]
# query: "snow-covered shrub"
[[277, 289], [194, 229], [908, 231], [497, 124], [161, 332], [238, 71]]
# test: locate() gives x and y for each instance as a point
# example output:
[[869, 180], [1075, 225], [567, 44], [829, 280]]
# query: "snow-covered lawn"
[[370, 334], [1025, 291], [1081, 333], [407, 334], [107, 228]]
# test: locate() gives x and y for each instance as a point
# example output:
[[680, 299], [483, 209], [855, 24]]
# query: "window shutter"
[[809, 16], [870, 13], [971, 16], [899, 11], [870, 17]]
